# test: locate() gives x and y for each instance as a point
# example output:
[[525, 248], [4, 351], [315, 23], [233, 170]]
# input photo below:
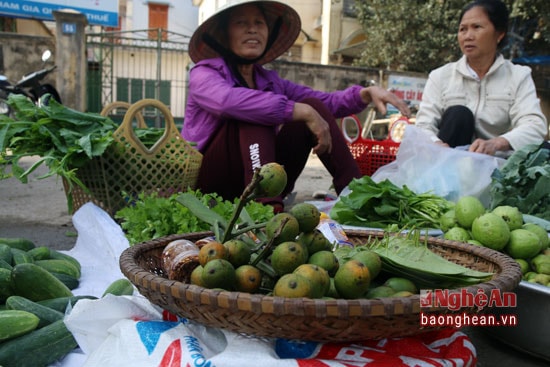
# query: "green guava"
[[491, 230], [457, 234], [467, 209], [523, 244], [448, 220], [539, 231], [511, 215]]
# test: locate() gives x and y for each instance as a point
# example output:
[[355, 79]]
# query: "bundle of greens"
[[63, 138], [383, 205], [524, 182], [152, 216]]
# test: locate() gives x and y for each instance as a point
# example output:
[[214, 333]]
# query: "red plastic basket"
[[373, 154], [369, 154]]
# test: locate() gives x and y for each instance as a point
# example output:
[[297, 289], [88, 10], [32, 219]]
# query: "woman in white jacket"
[[482, 101]]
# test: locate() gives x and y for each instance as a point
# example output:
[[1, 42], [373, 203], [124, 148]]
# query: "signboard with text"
[[98, 12], [407, 88]]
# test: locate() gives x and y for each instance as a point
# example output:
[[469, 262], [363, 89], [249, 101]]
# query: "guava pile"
[[503, 229]]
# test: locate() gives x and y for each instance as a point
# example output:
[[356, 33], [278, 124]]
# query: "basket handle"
[[368, 123], [126, 128], [355, 124], [125, 105]]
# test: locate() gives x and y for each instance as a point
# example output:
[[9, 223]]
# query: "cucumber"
[[70, 281], [59, 266], [39, 348], [54, 254], [6, 288], [5, 253], [14, 323], [36, 283], [5, 265], [120, 287], [20, 256], [18, 242], [39, 253], [60, 304], [45, 314]]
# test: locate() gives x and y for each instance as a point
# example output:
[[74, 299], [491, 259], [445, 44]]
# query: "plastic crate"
[[373, 154]]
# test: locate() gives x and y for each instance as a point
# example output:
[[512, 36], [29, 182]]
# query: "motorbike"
[[30, 86]]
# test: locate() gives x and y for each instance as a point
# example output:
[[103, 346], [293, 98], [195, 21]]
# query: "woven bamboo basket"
[[320, 320], [129, 167]]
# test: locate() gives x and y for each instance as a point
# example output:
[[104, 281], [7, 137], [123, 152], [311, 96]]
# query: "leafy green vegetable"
[[524, 182], [152, 216], [149, 135], [383, 204], [64, 138]]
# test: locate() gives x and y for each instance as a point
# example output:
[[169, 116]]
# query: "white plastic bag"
[[424, 166], [98, 247], [125, 331], [118, 331]]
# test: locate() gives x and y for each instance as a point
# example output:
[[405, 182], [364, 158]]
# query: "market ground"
[[38, 211]]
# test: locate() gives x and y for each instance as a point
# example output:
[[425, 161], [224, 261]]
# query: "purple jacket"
[[215, 96]]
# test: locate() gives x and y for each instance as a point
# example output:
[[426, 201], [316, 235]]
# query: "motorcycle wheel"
[[45, 94]]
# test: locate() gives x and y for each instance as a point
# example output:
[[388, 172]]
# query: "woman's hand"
[[316, 124], [490, 146], [380, 97]]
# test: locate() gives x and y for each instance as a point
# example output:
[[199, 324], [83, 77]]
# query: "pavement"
[[38, 211]]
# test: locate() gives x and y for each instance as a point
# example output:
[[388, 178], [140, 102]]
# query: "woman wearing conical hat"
[[242, 115]]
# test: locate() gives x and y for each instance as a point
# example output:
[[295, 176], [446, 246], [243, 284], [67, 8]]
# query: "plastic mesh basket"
[[128, 168], [373, 154]]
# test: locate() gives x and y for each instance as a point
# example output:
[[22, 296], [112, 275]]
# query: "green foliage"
[[524, 182], [422, 35], [383, 204], [531, 21], [152, 216], [64, 138], [409, 35]]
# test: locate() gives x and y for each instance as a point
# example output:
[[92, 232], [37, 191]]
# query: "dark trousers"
[[457, 126], [239, 147]]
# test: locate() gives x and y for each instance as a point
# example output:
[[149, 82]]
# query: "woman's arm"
[[529, 125], [214, 90]]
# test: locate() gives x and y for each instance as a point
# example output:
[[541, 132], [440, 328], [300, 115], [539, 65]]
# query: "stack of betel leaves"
[[409, 257]]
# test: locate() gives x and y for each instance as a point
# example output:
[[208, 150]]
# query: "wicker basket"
[[127, 166], [303, 318]]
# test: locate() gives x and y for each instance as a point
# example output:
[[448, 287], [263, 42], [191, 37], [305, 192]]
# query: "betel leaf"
[[524, 181], [409, 257]]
